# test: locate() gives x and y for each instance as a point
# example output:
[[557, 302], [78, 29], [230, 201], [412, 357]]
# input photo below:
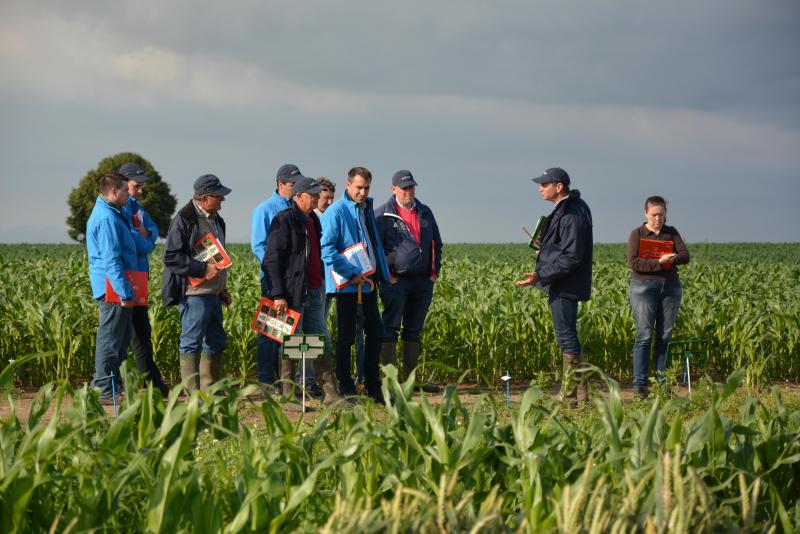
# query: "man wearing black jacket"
[[203, 337], [413, 249], [564, 270], [293, 270]]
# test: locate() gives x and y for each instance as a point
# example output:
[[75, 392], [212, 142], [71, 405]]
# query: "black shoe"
[[428, 388], [346, 391], [640, 392], [315, 391]]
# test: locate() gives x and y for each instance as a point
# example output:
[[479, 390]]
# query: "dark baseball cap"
[[403, 179], [132, 171], [288, 173], [553, 174], [208, 184], [306, 185]]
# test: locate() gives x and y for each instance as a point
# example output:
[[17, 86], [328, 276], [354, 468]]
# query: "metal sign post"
[[301, 347], [506, 378]]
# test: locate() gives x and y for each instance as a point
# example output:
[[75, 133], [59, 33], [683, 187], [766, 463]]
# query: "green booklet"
[[538, 231]]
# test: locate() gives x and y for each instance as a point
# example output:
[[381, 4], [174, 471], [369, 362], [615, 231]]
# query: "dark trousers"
[[406, 301], [143, 346], [346, 311]]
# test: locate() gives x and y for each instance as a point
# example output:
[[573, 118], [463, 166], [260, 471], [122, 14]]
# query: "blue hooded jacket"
[[144, 245], [111, 249], [262, 219], [340, 229]]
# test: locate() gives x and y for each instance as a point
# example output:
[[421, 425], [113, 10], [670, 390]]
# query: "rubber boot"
[[410, 361], [288, 398], [210, 369], [190, 371], [389, 353], [322, 369], [570, 367], [287, 368], [583, 386]]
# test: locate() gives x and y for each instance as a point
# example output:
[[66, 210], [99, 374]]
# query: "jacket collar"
[[392, 204], [352, 203], [109, 205]]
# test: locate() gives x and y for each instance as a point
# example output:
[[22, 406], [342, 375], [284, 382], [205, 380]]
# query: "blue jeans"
[[114, 332], [313, 321], [406, 301], [564, 313], [654, 304], [201, 325]]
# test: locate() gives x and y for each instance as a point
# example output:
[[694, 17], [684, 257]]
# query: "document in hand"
[[538, 232], [138, 282], [272, 324], [653, 249], [357, 256], [208, 249]]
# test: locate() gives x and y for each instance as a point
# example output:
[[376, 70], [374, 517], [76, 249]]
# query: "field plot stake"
[[690, 348], [300, 347], [507, 379]]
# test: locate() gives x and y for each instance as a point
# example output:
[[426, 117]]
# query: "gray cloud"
[[693, 100]]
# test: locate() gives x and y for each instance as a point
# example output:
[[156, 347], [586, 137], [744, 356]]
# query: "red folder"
[[653, 249], [138, 281], [267, 321], [208, 249]]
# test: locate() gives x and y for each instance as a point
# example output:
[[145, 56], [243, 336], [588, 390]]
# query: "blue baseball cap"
[[208, 184], [132, 171], [403, 179], [553, 174], [288, 173]]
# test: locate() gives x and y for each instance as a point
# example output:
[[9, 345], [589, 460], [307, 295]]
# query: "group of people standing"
[[299, 236]]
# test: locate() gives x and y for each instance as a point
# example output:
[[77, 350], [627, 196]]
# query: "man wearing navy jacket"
[[144, 235], [413, 247], [349, 221], [564, 270], [293, 270]]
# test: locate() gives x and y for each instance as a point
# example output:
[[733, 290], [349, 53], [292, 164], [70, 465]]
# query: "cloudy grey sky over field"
[[696, 101]]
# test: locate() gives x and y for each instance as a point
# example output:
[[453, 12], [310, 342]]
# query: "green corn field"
[[744, 299], [721, 461], [727, 458]]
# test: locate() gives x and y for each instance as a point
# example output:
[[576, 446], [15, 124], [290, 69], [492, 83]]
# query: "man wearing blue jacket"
[[413, 246], [349, 221], [564, 270], [268, 350], [145, 235], [112, 251]]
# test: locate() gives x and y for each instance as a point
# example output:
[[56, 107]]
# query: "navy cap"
[[403, 179], [306, 185], [288, 173], [132, 171], [208, 184], [554, 174]]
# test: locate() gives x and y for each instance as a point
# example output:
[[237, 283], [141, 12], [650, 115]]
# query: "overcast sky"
[[696, 101]]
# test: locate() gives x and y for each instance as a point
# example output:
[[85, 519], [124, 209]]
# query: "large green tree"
[[156, 199]]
